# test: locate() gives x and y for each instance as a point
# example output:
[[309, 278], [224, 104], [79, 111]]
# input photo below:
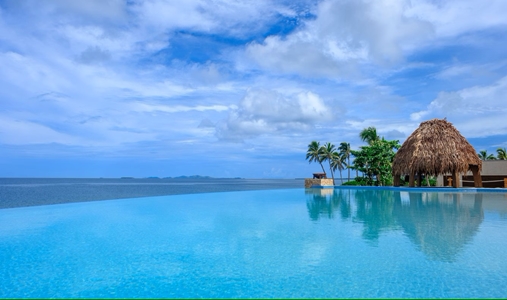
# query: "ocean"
[[20, 192]]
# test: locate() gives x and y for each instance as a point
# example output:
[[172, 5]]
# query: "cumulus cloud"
[[394, 135], [229, 17], [344, 34], [348, 34], [267, 111], [480, 110], [452, 17]]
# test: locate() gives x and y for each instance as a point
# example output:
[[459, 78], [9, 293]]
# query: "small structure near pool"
[[319, 179], [435, 148], [319, 176]]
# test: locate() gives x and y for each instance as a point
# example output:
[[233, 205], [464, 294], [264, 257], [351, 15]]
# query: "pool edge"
[[415, 189]]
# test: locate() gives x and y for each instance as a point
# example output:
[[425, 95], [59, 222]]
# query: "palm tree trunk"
[[348, 167], [332, 174], [323, 171]]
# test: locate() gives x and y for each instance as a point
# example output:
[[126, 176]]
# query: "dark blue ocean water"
[[18, 192]]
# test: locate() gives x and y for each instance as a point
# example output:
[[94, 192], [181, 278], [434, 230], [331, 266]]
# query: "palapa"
[[435, 148]]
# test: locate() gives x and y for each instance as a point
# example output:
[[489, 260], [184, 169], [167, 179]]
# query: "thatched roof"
[[436, 147]]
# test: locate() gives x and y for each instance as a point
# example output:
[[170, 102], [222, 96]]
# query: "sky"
[[222, 88]]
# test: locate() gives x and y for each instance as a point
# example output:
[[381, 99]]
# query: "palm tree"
[[338, 163], [328, 152], [483, 154], [501, 153], [314, 153], [369, 135], [345, 152]]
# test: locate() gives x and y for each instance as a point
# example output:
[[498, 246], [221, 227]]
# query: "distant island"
[[185, 177], [190, 177]]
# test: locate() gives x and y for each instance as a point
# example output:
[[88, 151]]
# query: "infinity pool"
[[313, 243]]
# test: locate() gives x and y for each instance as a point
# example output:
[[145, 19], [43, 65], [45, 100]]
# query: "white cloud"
[[298, 55], [461, 70], [348, 34], [455, 17], [94, 55], [478, 111], [20, 132], [224, 16], [453, 71], [174, 14], [115, 74], [97, 10], [267, 111], [145, 107], [344, 34]]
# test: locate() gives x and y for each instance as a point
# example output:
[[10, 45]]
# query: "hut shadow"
[[440, 224]]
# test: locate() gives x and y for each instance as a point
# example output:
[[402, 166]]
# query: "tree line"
[[374, 160], [501, 154]]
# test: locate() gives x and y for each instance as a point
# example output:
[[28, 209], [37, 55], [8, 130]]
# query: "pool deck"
[[416, 189]]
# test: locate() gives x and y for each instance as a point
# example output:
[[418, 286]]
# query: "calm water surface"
[[15, 192], [271, 243]]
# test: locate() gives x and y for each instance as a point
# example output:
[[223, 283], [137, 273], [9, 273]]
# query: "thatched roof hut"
[[436, 147]]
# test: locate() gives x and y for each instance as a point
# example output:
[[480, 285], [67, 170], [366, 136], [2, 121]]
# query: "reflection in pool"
[[439, 224], [310, 243]]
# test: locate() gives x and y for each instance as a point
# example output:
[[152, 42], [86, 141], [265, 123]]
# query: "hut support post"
[[396, 180], [477, 175], [455, 179], [419, 179], [411, 179]]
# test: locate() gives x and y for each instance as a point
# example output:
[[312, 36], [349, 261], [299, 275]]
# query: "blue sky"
[[110, 88]]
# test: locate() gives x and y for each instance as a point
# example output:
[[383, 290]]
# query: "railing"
[[449, 181]]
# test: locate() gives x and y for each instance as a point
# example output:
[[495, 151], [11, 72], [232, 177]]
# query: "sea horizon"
[[24, 191]]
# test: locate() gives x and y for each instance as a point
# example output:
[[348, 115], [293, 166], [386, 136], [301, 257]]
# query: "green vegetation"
[[314, 153], [369, 135], [351, 182], [483, 154], [327, 152], [345, 153], [374, 161], [432, 181], [501, 153]]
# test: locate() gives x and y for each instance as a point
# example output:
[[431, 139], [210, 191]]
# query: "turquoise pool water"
[[275, 243]]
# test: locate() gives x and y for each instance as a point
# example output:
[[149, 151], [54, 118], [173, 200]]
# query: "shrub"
[[433, 181], [351, 182]]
